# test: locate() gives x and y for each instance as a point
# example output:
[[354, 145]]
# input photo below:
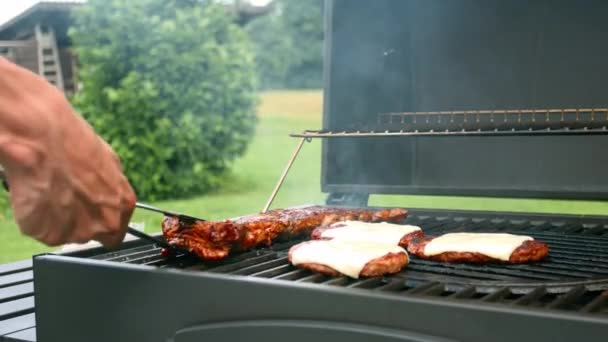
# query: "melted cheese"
[[346, 257], [372, 232], [497, 246]]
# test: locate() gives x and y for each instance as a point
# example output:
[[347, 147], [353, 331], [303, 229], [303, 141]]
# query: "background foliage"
[[5, 205], [170, 85], [289, 45], [274, 51]]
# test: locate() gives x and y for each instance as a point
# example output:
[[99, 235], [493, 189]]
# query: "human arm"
[[66, 183]]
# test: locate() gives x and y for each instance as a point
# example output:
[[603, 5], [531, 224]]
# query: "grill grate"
[[385, 131], [523, 122], [574, 277], [500, 120]]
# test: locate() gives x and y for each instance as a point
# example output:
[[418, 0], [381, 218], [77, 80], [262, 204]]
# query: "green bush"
[[304, 23], [170, 85], [289, 45], [274, 53], [5, 206]]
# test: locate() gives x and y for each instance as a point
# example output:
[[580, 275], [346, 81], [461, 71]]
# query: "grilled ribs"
[[214, 240]]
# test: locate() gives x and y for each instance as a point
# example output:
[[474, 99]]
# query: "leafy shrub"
[[304, 23], [289, 44], [274, 52], [5, 206], [170, 85]]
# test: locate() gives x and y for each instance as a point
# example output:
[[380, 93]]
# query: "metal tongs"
[[137, 233], [186, 219], [161, 243], [183, 218]]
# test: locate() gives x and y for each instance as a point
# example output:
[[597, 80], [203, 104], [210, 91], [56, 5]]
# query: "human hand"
[[66, 183]]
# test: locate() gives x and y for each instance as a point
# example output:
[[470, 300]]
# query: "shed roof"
[[52, 13]]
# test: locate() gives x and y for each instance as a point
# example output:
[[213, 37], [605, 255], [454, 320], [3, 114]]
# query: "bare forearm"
[[66, 183], [22, 124]]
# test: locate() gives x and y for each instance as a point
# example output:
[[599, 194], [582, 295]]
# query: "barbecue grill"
[[480, 98]]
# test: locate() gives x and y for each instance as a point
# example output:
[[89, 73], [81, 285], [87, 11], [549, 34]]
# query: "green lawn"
[[254, 176]]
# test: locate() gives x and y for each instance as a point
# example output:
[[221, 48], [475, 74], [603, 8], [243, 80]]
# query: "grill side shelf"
[[27, 335], [16, 299]]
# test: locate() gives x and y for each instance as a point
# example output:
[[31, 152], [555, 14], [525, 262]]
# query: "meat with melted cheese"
[[383, 232], [528, 250], [351, 258]]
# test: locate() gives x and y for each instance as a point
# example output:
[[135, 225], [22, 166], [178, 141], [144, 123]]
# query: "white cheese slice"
[[497, 246], [346, 257], [382, 232]]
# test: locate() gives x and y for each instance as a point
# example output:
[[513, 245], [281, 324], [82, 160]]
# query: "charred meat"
[[478, 249], [214, 240]]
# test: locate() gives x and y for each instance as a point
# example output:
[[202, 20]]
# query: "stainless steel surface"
[[477, 123], [404, 133], [501, 120], [598, 112]]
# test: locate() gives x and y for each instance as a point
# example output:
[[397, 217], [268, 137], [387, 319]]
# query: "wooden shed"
[[37, 40]]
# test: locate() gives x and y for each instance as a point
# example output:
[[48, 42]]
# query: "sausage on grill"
[[214, 240]]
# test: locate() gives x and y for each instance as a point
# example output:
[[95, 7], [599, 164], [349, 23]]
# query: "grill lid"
[[474, 65]]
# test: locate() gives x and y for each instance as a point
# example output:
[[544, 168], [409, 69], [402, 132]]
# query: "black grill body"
[[137, 295]]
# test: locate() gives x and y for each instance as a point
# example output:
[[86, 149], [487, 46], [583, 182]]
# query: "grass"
[[253, 177]]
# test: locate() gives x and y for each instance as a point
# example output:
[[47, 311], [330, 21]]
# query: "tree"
[[303, 21], [289, 44], [171, 86], [274, 52]]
